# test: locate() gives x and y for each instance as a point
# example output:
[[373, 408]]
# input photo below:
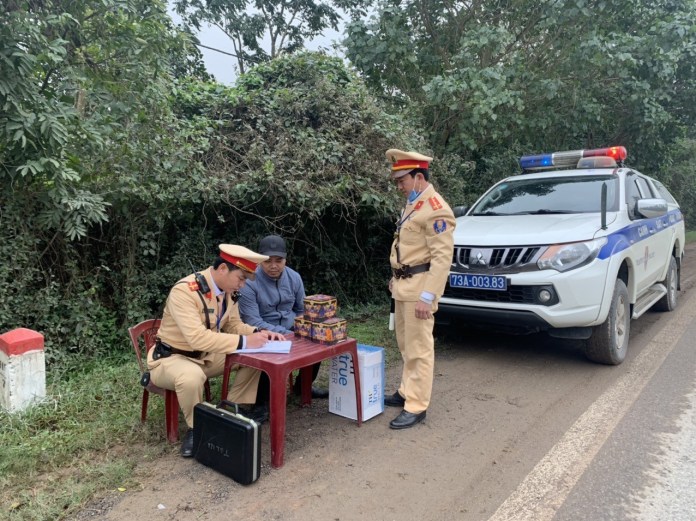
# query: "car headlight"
[[564, 257]]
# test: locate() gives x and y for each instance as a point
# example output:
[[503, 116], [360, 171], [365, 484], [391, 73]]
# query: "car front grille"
[[493, 261]]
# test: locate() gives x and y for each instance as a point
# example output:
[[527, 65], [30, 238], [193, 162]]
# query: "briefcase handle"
[[227, 403]]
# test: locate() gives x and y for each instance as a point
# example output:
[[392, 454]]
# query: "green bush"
[[299, 152], [296, 148]]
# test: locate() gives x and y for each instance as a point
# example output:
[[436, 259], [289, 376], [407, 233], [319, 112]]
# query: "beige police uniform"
[[183, 327], [424, 235]]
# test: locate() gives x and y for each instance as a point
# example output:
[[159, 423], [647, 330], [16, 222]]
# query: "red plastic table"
[[303, 354]]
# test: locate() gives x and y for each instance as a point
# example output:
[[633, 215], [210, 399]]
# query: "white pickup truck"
[[577, 246]]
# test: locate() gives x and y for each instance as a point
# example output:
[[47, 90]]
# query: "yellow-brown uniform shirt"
[[425, 234], [183, 323], [184, 327]]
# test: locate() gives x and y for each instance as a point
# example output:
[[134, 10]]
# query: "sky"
[[222, 66]]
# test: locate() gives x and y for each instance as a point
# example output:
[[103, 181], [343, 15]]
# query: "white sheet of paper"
[[272, 346]]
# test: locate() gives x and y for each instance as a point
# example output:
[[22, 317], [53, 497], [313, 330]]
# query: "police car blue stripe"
[[637, 232]]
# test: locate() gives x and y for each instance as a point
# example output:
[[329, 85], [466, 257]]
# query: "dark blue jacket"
[[272, 304]]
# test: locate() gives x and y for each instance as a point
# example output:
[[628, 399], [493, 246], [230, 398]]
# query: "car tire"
[[609, 341], [671, 282]]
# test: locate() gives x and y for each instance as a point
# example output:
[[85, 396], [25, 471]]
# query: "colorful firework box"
[[330, 331], [318, 308], [303, 327]]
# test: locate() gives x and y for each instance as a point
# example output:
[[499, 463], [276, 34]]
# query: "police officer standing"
[[199, 327], [421, 256]]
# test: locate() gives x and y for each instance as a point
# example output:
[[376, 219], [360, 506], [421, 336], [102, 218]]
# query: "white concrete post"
[[22, 369]]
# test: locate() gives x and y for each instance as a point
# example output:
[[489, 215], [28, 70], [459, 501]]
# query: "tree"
[[87, 142], [284, 25], [67, 93], [679, 173], [492, 79]]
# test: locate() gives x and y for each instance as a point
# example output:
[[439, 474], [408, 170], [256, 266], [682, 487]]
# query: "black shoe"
[[319, 394], [187, 444], [406, 419], [395, 400], [258, 413]]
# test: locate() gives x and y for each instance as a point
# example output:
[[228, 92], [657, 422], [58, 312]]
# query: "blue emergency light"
[[570, 158]]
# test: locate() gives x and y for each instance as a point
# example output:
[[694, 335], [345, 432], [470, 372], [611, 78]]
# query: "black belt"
[[163, 350], [190, 354], [406, 271]]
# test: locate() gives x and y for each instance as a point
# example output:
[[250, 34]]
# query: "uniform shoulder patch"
[[439, 225], [435, 203], [193, 286]]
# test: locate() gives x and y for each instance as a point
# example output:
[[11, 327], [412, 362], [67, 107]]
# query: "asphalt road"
[[632, 453]]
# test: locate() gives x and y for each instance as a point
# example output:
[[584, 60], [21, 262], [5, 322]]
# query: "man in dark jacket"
[[272, 301]]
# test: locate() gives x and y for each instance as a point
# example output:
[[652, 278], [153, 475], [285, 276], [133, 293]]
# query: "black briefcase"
[[227, 441]]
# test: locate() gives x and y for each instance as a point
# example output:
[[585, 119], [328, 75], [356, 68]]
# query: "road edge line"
[[546, 487]]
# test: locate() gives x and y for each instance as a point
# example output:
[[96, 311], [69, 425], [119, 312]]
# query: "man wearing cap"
[[199, 327], [421, 256], [271, 301]]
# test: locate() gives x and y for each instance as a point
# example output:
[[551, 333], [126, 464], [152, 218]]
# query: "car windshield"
[[550, 195]]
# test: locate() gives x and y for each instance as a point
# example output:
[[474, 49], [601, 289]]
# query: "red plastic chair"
[[148, 331]]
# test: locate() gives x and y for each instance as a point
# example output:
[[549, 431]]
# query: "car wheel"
[[609, 341], [671, 282]]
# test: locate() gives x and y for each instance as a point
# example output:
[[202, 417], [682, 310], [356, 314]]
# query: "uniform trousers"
[[415, 339], [187, 378]]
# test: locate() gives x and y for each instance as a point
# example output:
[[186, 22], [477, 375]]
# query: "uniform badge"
[[439, 225], [418, 205], [193, 285], [435, 203]]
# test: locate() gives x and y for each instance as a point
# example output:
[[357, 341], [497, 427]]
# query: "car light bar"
[[570, 158]]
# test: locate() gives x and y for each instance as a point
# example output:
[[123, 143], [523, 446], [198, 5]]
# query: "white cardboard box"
[[342, 383]]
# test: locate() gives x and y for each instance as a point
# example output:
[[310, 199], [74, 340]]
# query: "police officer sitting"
[[200, 326]]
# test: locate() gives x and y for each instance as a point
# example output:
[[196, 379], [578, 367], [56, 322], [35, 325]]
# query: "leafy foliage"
[[69, 93], [489, 77], [301, 153], [86, 138], [679, 172], [121, 162]]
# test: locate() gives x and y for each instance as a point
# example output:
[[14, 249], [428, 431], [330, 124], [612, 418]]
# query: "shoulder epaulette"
[[435, 203]]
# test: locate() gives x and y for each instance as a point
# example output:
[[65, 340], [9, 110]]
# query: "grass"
[[369, 325], [57, 455], [690, 236], [86, 438]]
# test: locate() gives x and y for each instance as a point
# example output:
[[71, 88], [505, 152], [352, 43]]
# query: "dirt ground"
[[499, 403], [333, 468]]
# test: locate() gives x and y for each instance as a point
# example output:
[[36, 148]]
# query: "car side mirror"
[[458, 211], [650, 208]]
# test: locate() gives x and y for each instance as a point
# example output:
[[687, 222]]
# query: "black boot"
[[187, 444]]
